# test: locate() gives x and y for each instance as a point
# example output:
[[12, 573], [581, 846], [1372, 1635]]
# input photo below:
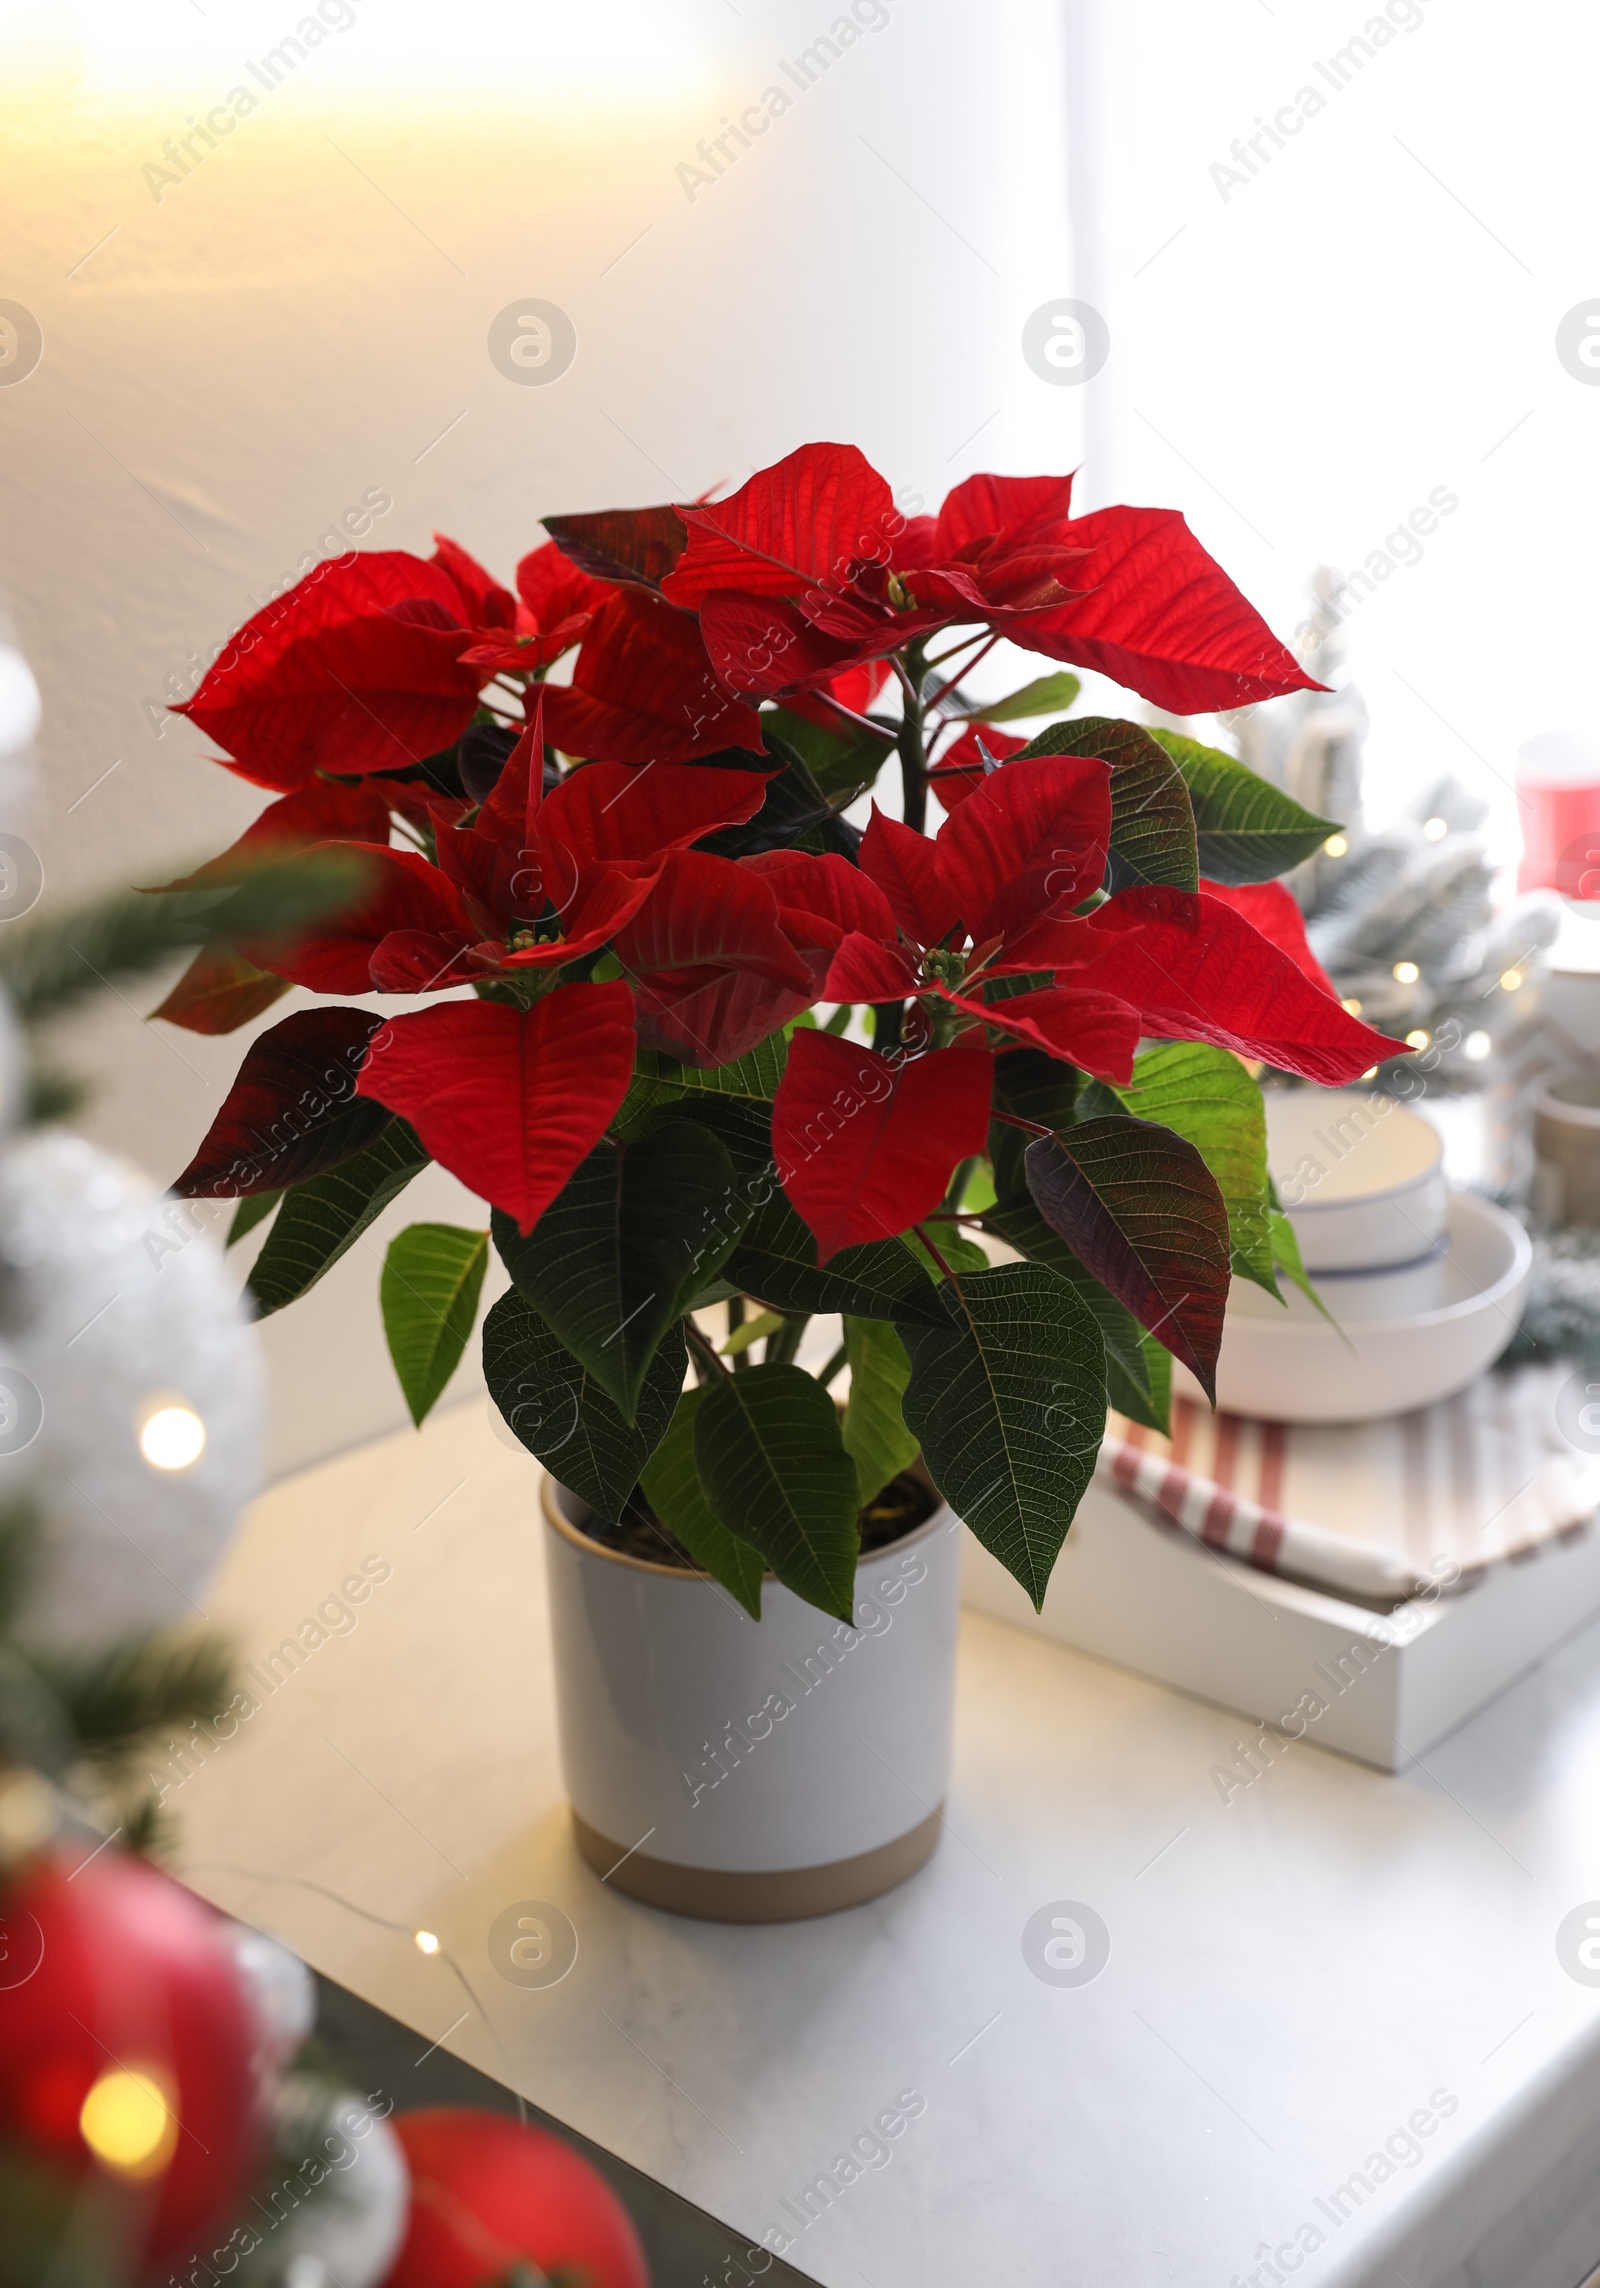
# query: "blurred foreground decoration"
[[131, 1389], [124, 1351], [138, 2078], [163, 2111], [130, 2121]]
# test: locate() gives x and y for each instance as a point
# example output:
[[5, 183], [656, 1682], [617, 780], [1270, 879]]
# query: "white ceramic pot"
[[752, 1771], [1289, 1365]]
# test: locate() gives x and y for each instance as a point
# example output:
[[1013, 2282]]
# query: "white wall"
[[230, 364], [1299, 359]]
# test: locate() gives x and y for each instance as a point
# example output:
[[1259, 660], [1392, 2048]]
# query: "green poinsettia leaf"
[[1206, 1095], [432, 1279], [1030, 1086], [960, 1252], [555, 1407], [1140, 1209], [1249, 830], [741, 1122], [254, 1208], [752, 1331], [978, 1192], [638, 1231], [796, 813], [844, 764], [1008, 1402], [1041, 697], [319, 1220], [1286, 1255], [663, 1087], [1158, 1372], [1152, 821], [1138, 1369], [776, 1261], [875, 1433], [769, 1453], [671, 1485]]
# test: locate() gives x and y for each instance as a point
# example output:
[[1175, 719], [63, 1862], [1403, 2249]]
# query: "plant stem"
[[834, 1364], [735, 1321], [965, 644], [704, 1353], [862, 725], [945, 689], [913, 754], [888, 1025], [785, 1341], [932, 1250], [959, 1181]]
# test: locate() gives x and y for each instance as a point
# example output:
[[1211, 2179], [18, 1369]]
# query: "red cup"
[[1558, 785]]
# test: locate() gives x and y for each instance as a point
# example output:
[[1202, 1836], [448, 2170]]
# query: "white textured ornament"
[[347, 2232], [117, 1311], [19, 723], [20, 707]]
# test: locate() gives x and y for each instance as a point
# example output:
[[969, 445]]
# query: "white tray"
[[1390, 1685]]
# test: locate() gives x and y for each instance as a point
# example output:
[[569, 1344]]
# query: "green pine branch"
[[50, 963], [115, 1699]]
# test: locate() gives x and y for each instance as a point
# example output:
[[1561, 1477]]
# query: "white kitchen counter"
[[1294, 1972]]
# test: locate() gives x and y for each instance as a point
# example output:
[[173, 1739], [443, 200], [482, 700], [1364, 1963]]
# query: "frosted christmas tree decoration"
[[1401, 917], [20, 711], [19, 702]]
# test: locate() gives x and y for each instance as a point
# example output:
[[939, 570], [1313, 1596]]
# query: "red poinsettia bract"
[[810, 570], [984, 908]]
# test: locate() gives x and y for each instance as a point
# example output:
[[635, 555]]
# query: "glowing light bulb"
[[1337, 845], [1511, 979], [1435, 829], [128, 2125], [1477, 1046], [1406, 973], [172, 1437], [1353, 1005], [426, 1942], [1417, 1040]]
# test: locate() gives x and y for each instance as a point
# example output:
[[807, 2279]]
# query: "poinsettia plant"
[[695, 1038]]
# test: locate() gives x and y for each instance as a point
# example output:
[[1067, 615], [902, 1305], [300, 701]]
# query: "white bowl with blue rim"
[[1362, 1180], [1290, 1365], [1426, 1285]]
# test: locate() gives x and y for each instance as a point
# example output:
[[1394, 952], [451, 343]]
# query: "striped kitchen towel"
[[1369, 1509]]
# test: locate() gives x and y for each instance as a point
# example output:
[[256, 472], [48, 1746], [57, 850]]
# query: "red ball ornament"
[[127, 2052], [486, 2193]]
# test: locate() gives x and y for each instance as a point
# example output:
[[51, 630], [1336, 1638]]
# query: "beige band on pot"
[[786, 1895]]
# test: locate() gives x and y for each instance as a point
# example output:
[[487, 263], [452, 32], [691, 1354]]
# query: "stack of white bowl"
[[1426, 1285]]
